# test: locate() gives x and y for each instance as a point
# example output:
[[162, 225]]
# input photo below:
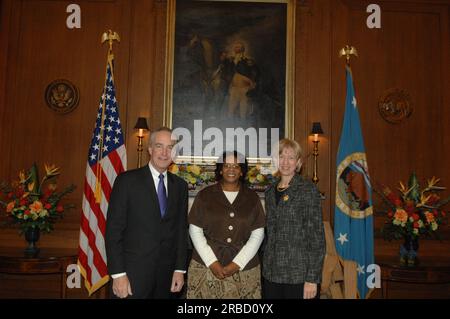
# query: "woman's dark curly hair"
[[242, 161]]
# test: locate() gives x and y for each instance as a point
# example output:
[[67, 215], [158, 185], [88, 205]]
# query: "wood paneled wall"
[[409, 52]]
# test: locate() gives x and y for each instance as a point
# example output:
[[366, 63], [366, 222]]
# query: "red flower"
[[397, 202], [434, 198], [27, 212], [416, 225], [409, 206], [48, 206], [19, 192], [443, 214], [392, 197], [10, 195], [416, 217], [390, 214], [23, 202], [59, 208], [435, 213]]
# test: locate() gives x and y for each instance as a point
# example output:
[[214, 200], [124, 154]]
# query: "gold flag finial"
[[110, 37], [348, 51]]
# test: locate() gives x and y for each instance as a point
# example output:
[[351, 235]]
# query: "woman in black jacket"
[[294, 249]]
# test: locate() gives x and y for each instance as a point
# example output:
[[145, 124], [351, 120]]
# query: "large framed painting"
[[229, 76]]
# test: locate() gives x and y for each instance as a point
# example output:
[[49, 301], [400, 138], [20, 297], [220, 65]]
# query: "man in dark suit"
[[146, 228]]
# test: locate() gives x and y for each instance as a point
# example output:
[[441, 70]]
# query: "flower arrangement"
[[193, 174], [259, 177], [416, 212], [34, 203]]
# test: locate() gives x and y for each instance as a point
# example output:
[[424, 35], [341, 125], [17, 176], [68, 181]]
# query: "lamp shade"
[[141, 124], [316, 128]]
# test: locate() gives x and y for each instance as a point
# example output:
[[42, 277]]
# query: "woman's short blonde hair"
[[287, 143]]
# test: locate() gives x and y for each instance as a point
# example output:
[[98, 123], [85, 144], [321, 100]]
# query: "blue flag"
[[353, 218]]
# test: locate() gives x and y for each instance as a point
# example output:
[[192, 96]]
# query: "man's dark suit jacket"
[[141, 243]]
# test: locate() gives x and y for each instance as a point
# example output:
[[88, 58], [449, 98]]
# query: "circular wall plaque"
[[395, 106], [62, 96]]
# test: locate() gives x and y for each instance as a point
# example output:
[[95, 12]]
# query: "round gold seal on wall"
[[62, 96]]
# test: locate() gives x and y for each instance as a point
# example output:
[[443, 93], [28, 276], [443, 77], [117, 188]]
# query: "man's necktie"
[[162, 197]]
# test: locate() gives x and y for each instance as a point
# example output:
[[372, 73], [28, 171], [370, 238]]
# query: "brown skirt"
[[202, 284]]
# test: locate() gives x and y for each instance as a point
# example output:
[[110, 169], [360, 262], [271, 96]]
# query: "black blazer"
[[294, 247], [138, 241]]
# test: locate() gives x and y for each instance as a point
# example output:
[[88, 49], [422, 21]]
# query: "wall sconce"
[[316, 130], [142, 126]]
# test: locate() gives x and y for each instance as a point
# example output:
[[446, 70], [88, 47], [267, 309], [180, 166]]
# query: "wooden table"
[[431, 270], [48, 261]]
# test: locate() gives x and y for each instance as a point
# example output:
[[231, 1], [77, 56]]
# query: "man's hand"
[[309, 290], [122, 287], [217, 270], [230, 269], [177, 281]]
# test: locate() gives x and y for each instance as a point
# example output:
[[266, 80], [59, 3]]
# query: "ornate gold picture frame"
[[203, 41]]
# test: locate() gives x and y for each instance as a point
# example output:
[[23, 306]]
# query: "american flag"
[[106, 160]]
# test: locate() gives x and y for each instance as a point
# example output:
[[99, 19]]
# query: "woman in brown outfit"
[[227, 227]]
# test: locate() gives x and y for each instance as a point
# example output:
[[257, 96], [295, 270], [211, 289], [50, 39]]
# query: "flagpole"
[[103, 165], [353, 217], [110, 37]]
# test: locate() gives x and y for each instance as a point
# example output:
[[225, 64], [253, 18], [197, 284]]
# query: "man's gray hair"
[[161, 129]]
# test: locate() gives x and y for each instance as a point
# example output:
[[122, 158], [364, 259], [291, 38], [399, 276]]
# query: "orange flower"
[[10, 207], [36, 207], [430, 217], [401, 215]]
